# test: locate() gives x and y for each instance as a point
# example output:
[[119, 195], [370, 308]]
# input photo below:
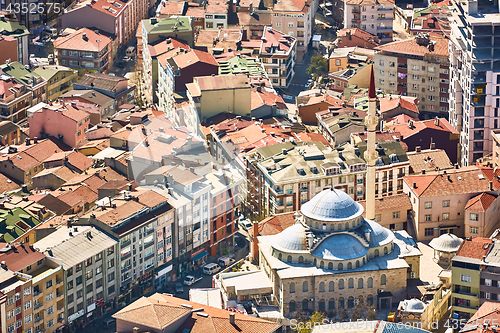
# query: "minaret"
[[371, 155]]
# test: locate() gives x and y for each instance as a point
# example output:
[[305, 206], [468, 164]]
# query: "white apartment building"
[[373, 16], [292, 173], [474, 77], [89, 258]]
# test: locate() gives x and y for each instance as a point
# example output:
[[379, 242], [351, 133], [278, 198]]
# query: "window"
[[27, 305], [89, 274], [341, 284], [10, 314], [278, 24], [291, 306], [383, 280], [321, 287], [446, 216], [377, 218], [292, 288], [331, 304], [360, 283], [48, 284], [50, 323], [487, 282], [331, 286], [350, 283], [290, 24], [474, 230], [382, 72], [474, 217], [446, 203], [370, 283], [428, 218], [395, 215], [50, 310], [111, 263], [27, 291], [428, 205], [305, 286], [49, 297], [465, 278], [429, 231], [71, 298], [416, 68], [337, 62], [70, 285], [79, 294]]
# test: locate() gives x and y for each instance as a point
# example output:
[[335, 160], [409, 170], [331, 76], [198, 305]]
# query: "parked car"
[[245, 224], [190, 280], [126, 59], [225, 261], [108, 323], [211, 269], [130, 51], [179, 289]]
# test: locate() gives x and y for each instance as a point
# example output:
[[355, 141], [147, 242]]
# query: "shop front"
[[198, 260], [146, 282], [163, 275]]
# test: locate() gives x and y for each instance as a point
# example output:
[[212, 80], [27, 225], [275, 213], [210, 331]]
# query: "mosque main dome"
[[333, 234]]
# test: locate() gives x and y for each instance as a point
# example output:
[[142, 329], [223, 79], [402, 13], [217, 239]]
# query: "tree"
[[316, 318], [319, 66]]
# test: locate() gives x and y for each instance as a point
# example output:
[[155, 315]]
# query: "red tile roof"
[[391, 102], [191, 57], [488, 313], [481, 202], [259, 98], [419, 126], [274, 38], [389, 203], [169, 8], [109, 7], [410, 46], [465, 180], [361, 35], [291, 6], [274, 224], [77, 42], [19, 256], [475, 248], [160, 311]]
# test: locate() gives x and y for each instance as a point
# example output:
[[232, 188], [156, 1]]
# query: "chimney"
[[418, 149], [35, 140], [423, 171], [284, 151], [27, 141], [491, 185], [449, 178], [433, 145], [255, 242], [436, 121], [3, 264], [414, 185], [231, 318], [135, 329]]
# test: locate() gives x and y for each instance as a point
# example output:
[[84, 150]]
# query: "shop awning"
[[200, 255]]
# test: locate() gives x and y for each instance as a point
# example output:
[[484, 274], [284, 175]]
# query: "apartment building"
[[156, 30], [15, 288], [284, 176], [84, 50], [15, 101], [60, 79], [177, 68], [416, 67], [138, 220], [63, 121], [211, 95], [278, 53], [474, 78], [89, 257], [45, 300], [295, 19], [466, 268], [371, 16], [495, 155], [344, 57], [119, 18], [216, 13], [456, 201], [117, 87], [490, 276], [13, 40]]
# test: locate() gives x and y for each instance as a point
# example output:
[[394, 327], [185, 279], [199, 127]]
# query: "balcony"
[[59, 295], [60, 308], [465, 293], [356, 10], [125, 243], [126, 268], [290, 191], [384, 28], [147, 232], [39, 319], [149, 256], [385, 9], [126, 256], [37, 306], [303, 189], [59, 282], [37, 293], [148, 244]]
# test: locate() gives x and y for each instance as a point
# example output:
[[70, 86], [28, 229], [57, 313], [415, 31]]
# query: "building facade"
[[374, 17]]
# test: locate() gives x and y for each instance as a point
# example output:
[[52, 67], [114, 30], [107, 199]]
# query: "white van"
[[211, 269], [225, 261]]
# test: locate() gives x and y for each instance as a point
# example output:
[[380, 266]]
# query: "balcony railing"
[[59, 295], [59, 281], [149, 243], [37, 293], [147, 232], [125, 243], [303, 189], [37, 306], [60, 308], [126, 268], [39, 319]]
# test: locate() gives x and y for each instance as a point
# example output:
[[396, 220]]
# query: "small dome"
[[292, 238], [414, 305], [446, 243], [378, 234], [332, 206], [340, 247]]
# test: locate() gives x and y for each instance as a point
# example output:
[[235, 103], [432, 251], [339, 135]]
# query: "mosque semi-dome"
[[292, 239]]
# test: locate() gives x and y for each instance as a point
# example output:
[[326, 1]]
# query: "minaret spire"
[[371, 155]]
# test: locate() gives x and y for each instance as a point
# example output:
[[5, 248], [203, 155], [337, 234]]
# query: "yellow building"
[[466, 276], [60, 79], [342, 57], [211, 95]]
